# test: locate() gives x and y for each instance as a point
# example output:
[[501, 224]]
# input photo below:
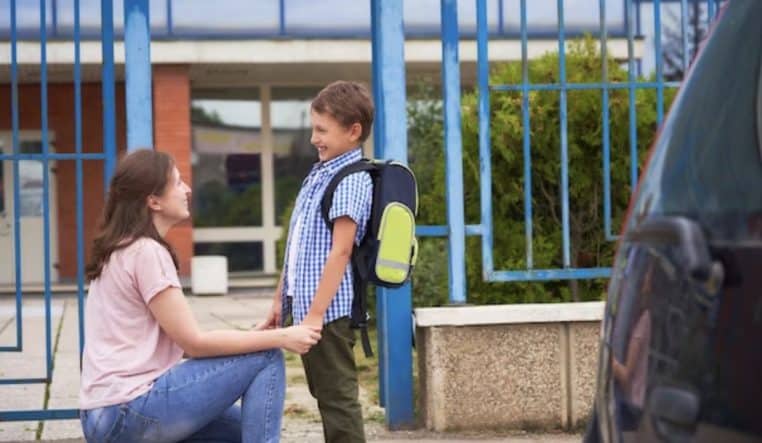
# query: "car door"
[[681, 360]]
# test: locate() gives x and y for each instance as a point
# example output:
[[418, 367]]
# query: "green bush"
[[589, 247]]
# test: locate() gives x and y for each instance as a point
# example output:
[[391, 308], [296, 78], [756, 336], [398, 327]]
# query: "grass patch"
[[292, 359], [367, 369], [295, 410], [367, 374], [46, 400], [297, 379], [376, 417]]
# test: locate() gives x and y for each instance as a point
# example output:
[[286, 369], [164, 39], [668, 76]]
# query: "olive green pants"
[[332, 379]]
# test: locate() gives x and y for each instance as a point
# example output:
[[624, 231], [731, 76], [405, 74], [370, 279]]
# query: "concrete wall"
[[507, 367]]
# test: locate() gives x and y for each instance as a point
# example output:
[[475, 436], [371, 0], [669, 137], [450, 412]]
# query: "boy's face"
[[331, 138]]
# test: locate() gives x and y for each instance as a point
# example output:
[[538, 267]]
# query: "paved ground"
[[240, 309]]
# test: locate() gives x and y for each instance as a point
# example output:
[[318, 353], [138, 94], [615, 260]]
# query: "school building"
[[232, 82]]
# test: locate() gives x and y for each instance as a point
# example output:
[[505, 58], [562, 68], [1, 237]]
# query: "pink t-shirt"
[[125, 348]]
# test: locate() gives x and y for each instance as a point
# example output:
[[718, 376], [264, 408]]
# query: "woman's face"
[[172, 205]]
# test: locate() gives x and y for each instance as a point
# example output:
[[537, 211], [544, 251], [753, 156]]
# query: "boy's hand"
[[313, 321]]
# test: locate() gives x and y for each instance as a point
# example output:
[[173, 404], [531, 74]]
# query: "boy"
[[316, 283]]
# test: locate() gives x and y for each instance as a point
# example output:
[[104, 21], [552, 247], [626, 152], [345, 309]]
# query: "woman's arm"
[[171, 310]]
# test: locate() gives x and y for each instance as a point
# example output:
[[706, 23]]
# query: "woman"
[[138, 326]]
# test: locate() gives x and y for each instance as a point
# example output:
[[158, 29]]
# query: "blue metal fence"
[[108, 156], [567, 272], [456, 229], [453, 144]]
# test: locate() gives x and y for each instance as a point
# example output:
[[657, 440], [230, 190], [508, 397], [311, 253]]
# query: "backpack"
[[387, 253]]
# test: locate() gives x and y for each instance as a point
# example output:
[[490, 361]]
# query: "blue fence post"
[[565, 228], [79, 172], [395, 354], [15, 125], [606, 137], [631, 83], [526, 139], [485, 161], [45, 189], [137, 67], [108, 96], [453, 152], [378, 152]]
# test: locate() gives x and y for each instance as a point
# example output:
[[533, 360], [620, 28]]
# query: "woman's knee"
[[269, 357], [276, 355], [276, 359]]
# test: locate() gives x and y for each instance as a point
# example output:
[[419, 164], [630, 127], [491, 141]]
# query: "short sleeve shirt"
[[125, 348], [352, 198]]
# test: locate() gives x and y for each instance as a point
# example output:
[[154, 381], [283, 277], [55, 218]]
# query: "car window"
[[706, 163]]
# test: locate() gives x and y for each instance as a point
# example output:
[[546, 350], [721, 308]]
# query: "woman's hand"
[[300, 338]]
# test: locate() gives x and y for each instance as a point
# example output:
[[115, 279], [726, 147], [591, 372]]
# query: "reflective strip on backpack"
[[393, 264]]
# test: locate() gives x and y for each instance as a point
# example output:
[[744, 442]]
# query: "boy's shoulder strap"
[[327, 200]]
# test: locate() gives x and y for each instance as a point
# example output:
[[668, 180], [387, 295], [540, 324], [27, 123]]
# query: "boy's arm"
[[344, 230]]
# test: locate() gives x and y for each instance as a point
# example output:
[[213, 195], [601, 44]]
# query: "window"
[[227, 163], [294, 155], [706, 163], [31, 180], [228, 188], [242, 256]]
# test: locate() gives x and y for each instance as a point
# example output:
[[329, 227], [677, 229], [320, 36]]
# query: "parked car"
[[681, 349]]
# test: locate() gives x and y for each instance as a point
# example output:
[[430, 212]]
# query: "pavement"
[[239, 309]]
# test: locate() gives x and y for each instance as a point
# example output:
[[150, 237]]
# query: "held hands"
[[300, 338]]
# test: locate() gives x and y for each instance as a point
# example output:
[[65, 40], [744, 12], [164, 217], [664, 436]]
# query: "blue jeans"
[[195, 401]]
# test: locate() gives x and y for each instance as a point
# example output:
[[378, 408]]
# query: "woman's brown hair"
[[126, 216]]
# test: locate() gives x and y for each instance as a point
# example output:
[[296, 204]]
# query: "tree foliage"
[[588, 244]]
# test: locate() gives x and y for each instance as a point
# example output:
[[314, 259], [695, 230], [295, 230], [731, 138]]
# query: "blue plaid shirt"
[[352, 198]]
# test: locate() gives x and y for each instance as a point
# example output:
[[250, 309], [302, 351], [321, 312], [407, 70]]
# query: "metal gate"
[[17, 158], [393, 309]]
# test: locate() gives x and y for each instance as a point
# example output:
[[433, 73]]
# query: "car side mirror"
[[681, 232]]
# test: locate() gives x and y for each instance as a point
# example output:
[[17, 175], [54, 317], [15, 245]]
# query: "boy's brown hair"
[[348, 103]]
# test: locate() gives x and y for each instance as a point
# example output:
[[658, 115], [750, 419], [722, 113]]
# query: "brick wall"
[[171, 113], [61, 123], [172, 134]]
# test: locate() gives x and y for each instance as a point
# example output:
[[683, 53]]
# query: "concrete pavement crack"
[[41, 424], [6, 324]]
